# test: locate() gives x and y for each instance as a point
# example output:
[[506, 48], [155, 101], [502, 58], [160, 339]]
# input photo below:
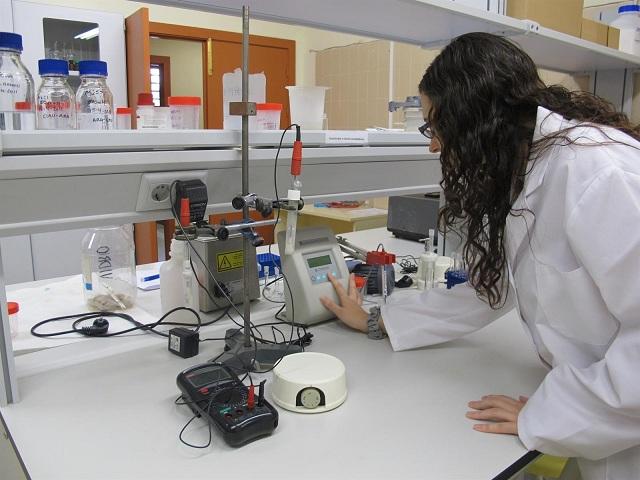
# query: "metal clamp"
[[242, 108]]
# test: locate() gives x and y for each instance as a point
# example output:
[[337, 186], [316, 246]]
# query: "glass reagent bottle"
[[56, 102], [16, 86]]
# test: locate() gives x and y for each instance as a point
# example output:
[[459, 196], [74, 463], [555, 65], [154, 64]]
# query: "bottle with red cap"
[[185, 112], [13, 308], [123, 118], [16, 86], [148, 116]]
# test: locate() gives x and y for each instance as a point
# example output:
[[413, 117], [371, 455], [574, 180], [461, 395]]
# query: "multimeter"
[[216, 394]]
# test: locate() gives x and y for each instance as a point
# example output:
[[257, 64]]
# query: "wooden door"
[[274, 57], [139, 80], [221, 53]]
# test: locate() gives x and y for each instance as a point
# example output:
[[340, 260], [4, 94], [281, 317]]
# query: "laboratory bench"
[[342, 220], [104, 408]]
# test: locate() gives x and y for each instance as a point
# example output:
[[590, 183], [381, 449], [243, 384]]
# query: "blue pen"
[[151, 277]]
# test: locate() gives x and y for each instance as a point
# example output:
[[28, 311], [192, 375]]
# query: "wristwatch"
[[373, 324]]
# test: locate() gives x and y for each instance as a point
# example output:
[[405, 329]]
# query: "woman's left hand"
[[501, 410]]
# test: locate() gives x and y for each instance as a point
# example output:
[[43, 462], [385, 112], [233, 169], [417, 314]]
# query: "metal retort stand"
[[242, 351]]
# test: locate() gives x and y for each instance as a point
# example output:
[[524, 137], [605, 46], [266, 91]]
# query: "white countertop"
[[103, 409]]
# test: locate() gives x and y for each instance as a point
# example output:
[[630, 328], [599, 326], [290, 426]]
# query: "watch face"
[[310, 398]]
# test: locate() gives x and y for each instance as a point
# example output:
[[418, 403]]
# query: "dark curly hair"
[[485, 92]]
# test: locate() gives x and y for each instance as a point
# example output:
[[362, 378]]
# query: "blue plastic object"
[[11, 41], [270, 260], [629, 8], [92, 67], [51, 66], [455, 277]]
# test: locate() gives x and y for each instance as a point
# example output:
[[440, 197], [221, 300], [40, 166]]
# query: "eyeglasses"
[[426, 130]]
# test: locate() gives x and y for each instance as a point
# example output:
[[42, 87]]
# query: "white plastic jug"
[[307, 106]]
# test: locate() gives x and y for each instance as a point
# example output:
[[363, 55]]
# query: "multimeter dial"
[[230, 397], [310, 397]]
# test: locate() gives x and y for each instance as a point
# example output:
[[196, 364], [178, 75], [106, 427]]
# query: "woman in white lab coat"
[[545, 185]]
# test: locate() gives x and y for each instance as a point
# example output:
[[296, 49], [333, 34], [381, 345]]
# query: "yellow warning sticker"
[[229, 260]]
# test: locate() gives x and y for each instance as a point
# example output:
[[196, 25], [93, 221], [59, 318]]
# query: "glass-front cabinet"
[[73, 34]]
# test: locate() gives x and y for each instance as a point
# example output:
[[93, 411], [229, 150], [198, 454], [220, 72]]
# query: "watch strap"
[[373, 324]]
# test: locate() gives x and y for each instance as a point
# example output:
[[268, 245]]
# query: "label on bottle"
[[99, 117], [55, 115], [9, 86], [86, 273]]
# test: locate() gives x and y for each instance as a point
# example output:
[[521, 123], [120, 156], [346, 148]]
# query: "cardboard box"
[[595, 32], [560, 15], [613, 38]]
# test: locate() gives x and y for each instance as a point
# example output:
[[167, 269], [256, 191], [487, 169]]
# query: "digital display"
[[208, 376], [319, 261]]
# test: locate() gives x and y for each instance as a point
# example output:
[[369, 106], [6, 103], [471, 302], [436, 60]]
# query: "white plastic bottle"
[[56, 102], [149, 116], [178, 284], [628, 22], [427, 265]]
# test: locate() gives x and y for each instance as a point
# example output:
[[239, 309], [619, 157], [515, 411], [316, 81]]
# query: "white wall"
[[186, 66], [307, 40], [6, 22]]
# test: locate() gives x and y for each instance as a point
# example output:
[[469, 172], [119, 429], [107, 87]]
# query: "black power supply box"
[[183, 342]]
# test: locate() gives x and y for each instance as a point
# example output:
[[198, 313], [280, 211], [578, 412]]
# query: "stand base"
[[260, 357]]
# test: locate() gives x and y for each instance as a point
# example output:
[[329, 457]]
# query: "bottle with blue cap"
[[55, 101], [94, 102], [628, 22], [16, 86]]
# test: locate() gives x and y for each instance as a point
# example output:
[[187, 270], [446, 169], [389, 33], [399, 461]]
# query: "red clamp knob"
[[251, 398]]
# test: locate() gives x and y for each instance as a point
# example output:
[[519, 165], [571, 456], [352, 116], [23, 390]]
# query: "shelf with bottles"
[[87, 141]]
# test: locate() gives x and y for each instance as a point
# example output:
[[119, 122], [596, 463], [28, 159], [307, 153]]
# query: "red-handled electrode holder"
[[296, 158], [185, 213], [380, 257]]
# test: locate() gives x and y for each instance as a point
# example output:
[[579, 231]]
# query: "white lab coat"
[[577, 288]]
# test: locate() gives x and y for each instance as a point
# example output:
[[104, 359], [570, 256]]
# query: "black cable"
[[186, 237], [83, 317], [201, 285], [206, 267], [252, 327], [189, 422]]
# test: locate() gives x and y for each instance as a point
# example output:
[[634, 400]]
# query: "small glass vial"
[[16, 86], [56, 102], [94, 101], [123, 118], [14, 326], [109, 268]]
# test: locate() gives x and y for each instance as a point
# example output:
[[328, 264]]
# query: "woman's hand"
[[349, 310], [501, 410]]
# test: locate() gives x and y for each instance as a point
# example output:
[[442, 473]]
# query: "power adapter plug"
[[184, 342]]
